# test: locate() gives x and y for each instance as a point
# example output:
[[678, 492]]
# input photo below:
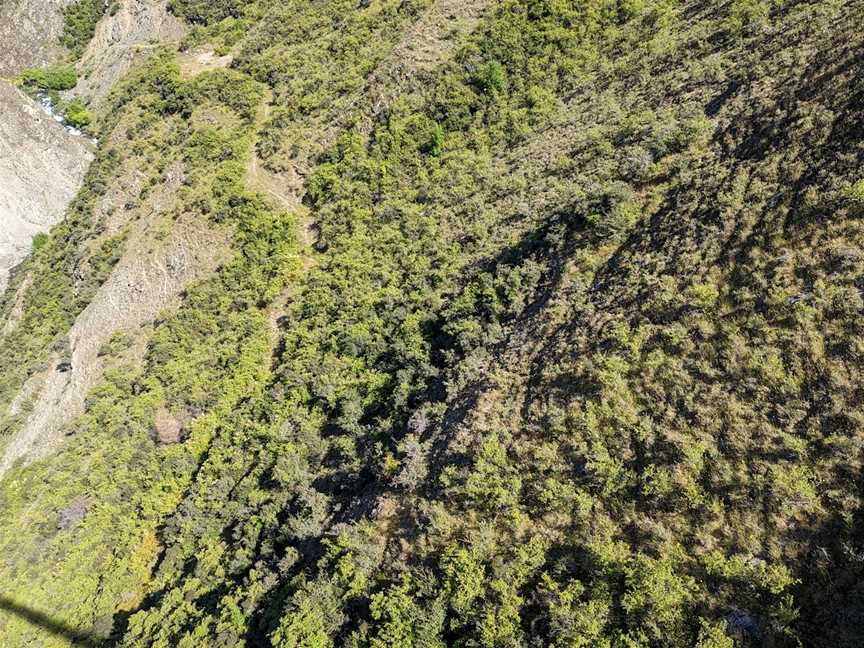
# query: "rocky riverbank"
[[42, 165]]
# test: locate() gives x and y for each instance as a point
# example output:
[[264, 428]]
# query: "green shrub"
[[39, 241], [79, 23], [703, 295], [855, 192], [750, 15], [77, 114], [714, 635], [205, 12], [491, 78], [52, 77]]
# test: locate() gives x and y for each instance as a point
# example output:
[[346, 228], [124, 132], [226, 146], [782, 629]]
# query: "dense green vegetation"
[[49, 81], [80, 18], [575, 359], [51, 77]]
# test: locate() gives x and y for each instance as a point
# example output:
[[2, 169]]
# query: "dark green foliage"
[[208, 11], [79, 23]]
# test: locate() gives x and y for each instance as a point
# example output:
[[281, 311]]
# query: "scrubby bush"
[[206, 12], [56, 77], [491, 77], [77, 114], [855, 192], [79, 23], [749, 15]]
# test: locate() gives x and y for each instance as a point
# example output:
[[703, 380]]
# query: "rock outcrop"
[[41, 169], [147, 280], [29, 33], [136, 26]]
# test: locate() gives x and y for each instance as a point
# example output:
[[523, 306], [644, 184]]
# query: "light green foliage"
[[464, 576], [303, 627], [393, 610], [315, 57], [219, 327], [750, 14], [855, 192], [658, 595], [53, 77], [492, 484], [551, 353], [714, 635], [491, 77], [703, 295], [403, 619], [77, 114], [577, 618]]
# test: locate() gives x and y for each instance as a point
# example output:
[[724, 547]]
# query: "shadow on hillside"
[[686, 237], [831, 580], [771, 150], [48, 623]]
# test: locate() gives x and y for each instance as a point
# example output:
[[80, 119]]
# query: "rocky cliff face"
[[30, 32], [135, 27], [41, 164], [41, 168]]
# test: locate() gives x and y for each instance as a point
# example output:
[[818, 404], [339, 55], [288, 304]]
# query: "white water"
[[51, 110]]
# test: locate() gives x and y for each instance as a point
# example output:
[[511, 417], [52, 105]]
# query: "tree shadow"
[[831, 587], [49, 623], [688, 222]]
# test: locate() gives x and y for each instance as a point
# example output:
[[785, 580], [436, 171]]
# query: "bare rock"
[[167, 428], [41, 168], [136, 26], [29, 33], [72, 515], [744, 625]]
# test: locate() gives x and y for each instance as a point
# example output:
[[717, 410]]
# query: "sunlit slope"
[[544, 331]]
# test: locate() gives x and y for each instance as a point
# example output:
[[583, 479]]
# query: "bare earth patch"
[[201, 59]]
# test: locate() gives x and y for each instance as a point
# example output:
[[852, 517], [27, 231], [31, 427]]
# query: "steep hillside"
[[41, 168], [437, 323], [126, 32], [41, 164], [30, 32]]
